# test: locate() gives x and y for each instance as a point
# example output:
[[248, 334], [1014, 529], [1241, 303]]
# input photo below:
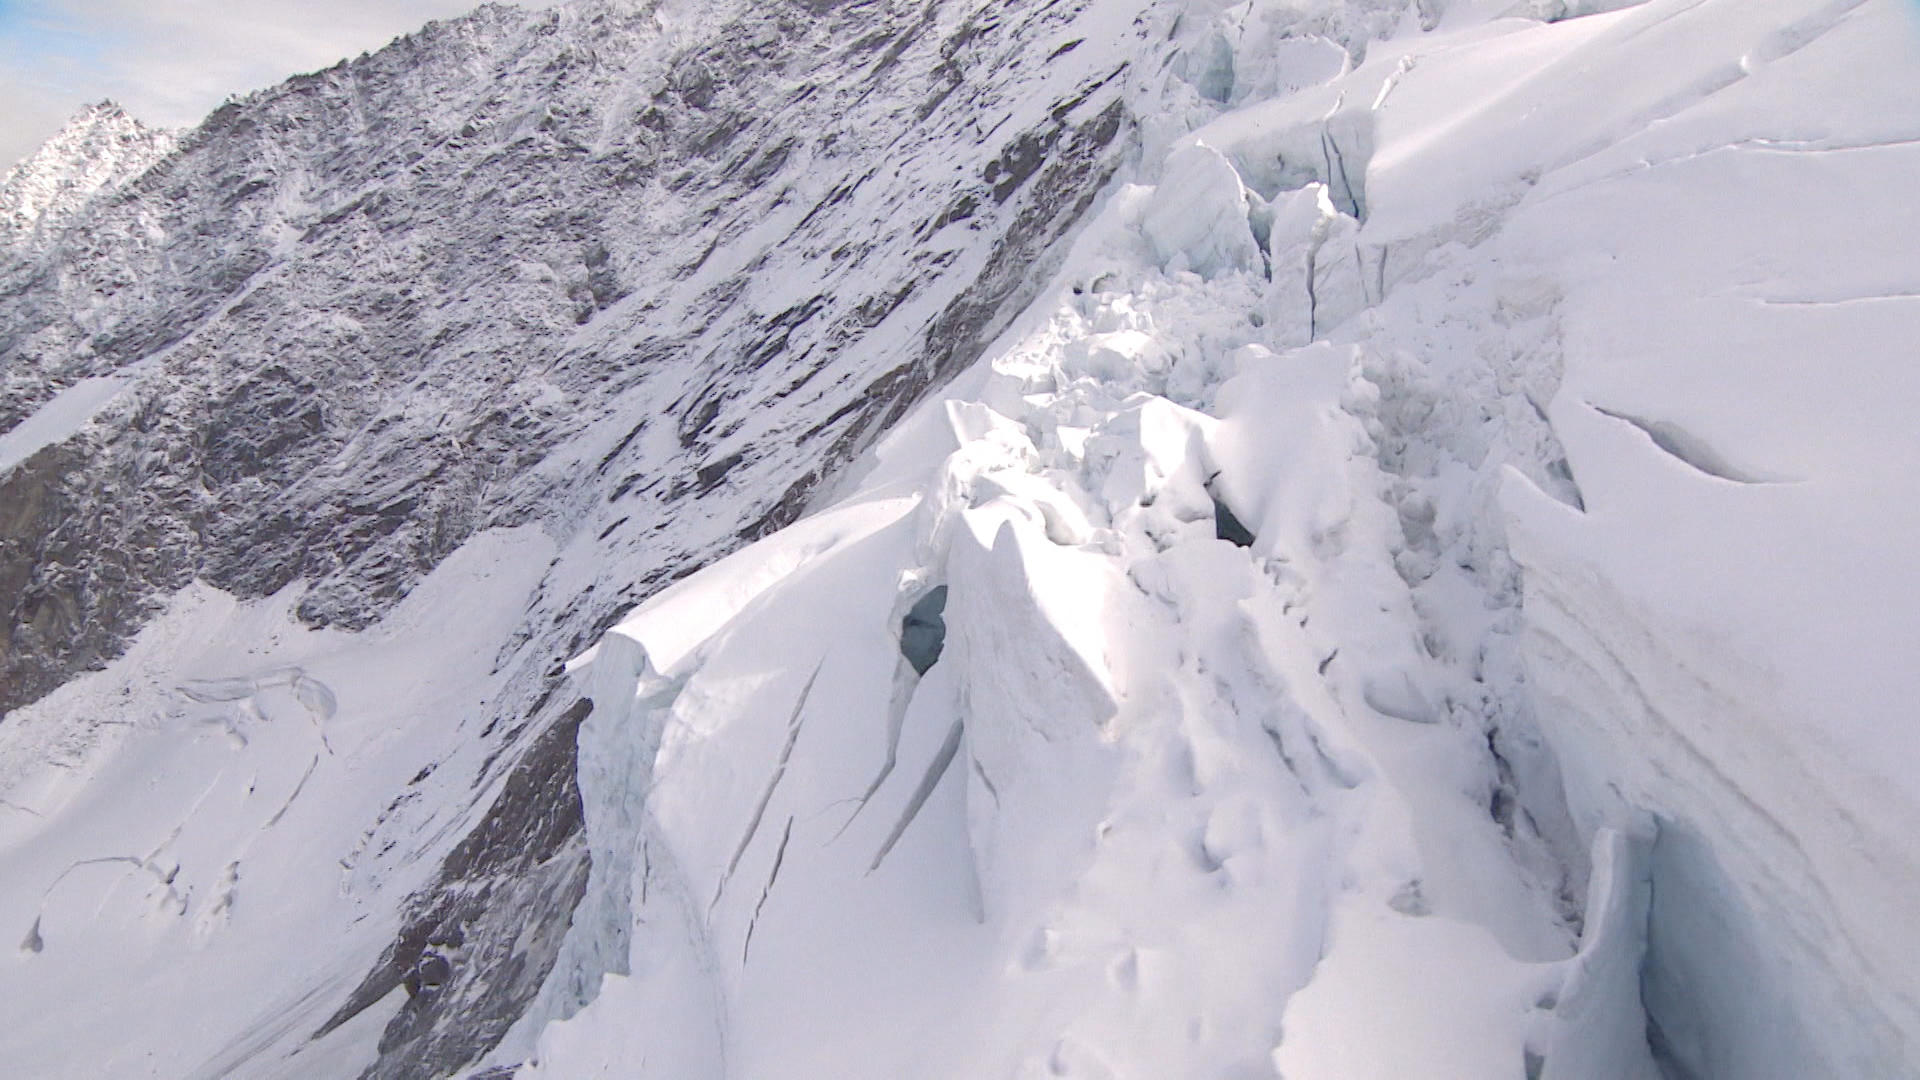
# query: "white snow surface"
[[205, 874], [1558, 722]]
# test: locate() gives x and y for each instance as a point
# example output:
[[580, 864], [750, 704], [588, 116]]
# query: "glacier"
[[1268, 539]]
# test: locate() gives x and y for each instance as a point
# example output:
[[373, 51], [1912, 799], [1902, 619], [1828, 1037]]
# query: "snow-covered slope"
[[1419, 592]]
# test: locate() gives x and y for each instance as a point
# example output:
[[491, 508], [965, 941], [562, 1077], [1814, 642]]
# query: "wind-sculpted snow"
[[1416, 492]]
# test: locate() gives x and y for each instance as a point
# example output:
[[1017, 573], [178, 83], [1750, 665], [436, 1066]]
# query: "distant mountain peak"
[[101, 147]]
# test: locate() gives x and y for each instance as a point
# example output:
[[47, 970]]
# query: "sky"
[[170, 62]]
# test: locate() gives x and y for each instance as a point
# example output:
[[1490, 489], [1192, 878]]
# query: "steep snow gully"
[[1388, 563]]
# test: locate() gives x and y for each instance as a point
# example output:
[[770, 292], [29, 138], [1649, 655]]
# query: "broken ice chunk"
[[1198, 215], [1396, 695]]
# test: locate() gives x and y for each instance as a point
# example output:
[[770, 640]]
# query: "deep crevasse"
[[1170, 807]]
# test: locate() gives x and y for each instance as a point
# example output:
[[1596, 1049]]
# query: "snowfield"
[[1423, 592]]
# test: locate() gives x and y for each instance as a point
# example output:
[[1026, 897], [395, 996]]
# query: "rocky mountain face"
[[365, 306]]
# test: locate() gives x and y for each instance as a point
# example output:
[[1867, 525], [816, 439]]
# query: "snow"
[[1199, 214], [1737, 662], [1137, 800], [59, 419], [99, 149], [1555, 722]]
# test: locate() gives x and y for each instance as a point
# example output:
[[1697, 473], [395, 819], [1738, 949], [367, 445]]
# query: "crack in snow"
[[766, 795], [905, 681], [1692, 451], [936, 770], [773, 875]]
